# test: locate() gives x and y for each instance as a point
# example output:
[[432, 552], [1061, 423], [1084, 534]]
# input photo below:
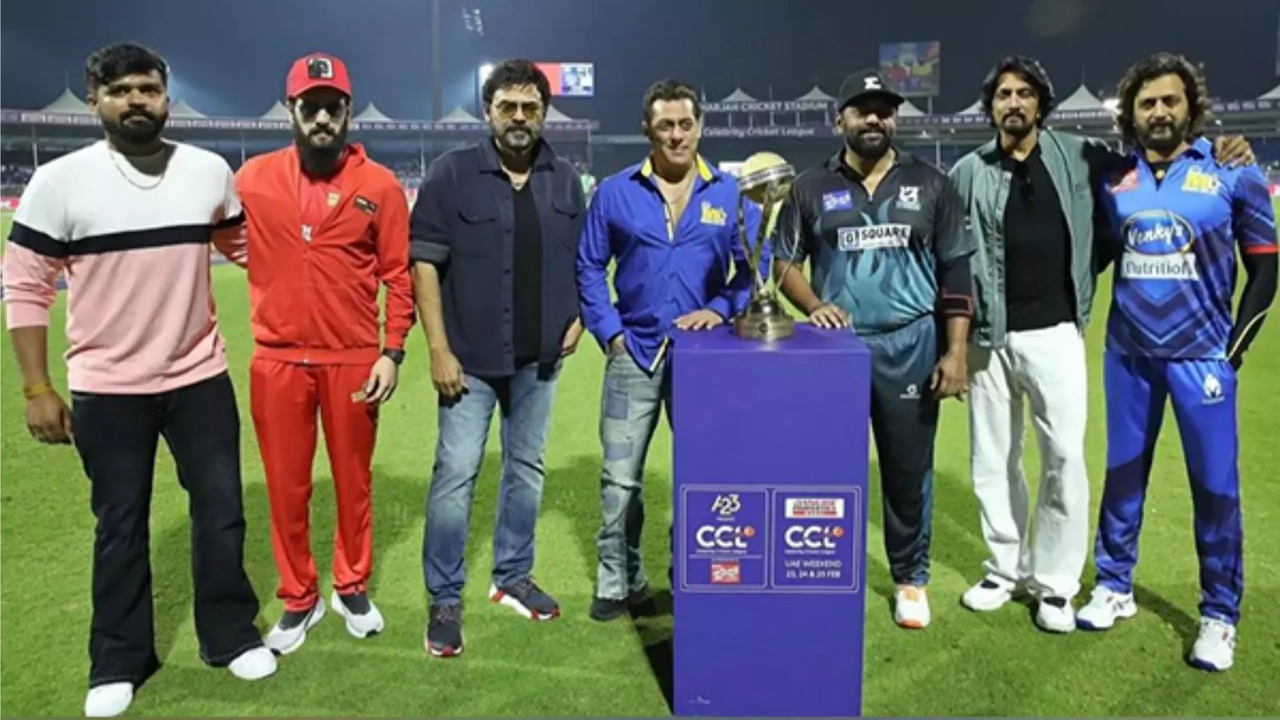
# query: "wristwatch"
[[397, 356]]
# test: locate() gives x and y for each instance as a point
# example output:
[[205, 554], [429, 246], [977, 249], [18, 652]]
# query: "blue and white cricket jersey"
[[1176, 272]]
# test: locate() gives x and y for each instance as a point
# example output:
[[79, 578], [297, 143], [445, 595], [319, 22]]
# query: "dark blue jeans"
[[525, 402]]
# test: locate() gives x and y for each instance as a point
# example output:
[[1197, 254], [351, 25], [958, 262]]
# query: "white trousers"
[[1047, 368]]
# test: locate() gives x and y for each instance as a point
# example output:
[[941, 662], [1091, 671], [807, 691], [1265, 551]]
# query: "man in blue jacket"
[[670, 223]]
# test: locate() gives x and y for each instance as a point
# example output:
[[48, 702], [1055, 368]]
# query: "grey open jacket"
[[1074, 163]]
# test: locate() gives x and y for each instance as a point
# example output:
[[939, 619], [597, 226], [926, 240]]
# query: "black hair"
[[1032, 71], [1199, 104], [670, 89], [510, 73], [115, 61]]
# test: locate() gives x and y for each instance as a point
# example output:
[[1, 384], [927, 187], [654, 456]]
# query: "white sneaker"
[[290, 631], [986, 596], [362, 625], [1055, 614], [253, 664], [108, 700], [1104, 608], [1215, 648], [911, 607]]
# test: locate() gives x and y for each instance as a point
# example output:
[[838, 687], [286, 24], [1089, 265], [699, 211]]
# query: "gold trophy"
[[765, 179]]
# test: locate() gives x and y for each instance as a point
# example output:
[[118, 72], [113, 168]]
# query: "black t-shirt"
[[527, 287], [1037, 252]]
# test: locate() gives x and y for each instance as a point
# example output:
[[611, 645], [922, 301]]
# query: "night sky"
[[230, 57]]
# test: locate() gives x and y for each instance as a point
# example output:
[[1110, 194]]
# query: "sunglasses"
[[310, 108], [506, 109]]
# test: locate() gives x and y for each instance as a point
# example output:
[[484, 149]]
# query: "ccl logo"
[[724, 537], [813, 537]]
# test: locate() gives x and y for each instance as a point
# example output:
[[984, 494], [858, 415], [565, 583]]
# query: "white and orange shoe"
[[911, 607]]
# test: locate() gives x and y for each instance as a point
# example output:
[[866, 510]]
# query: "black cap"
[[867, 83]]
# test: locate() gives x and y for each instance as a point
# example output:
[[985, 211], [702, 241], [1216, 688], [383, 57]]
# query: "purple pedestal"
[[770, 444]]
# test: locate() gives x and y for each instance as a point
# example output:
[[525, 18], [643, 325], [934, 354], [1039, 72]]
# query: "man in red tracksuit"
[[326, 225]]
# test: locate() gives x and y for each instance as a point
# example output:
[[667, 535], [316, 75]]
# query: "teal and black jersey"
[[888, 258]]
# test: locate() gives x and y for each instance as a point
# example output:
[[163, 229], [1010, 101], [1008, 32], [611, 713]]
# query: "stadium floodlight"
[[485, 70]]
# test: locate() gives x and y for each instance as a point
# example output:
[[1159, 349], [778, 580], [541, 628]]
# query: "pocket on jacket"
[[566, 223], [276, 320], [477, 230]]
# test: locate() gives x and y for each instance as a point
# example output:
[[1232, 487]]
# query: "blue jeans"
[[629, 408], [525, 402]]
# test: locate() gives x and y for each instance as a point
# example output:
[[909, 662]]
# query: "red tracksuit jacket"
[[314, 291]]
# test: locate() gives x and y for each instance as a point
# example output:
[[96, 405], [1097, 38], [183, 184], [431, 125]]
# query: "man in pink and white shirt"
[[129, 221]]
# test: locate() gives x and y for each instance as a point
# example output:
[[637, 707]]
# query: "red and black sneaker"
[[444, 631], [525, 597]]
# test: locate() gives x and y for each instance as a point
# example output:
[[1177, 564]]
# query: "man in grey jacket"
[[1029, 199]]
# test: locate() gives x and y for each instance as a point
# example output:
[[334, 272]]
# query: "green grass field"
[[964, 664]]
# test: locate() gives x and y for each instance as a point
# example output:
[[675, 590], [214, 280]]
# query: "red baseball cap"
[[317, 70]]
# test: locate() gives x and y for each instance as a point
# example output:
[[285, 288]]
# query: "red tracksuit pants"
[[285, 400]]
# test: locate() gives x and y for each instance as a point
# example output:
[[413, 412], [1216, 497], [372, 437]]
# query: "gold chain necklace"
[[130, 180]]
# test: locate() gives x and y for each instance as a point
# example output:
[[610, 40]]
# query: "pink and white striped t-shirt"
[[135, 250]]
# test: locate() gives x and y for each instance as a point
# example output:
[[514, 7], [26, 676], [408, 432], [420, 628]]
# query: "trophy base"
[[764, 319]]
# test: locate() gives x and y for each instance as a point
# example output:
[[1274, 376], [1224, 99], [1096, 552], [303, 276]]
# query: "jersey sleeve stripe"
[[38, 242], [1261, 249]]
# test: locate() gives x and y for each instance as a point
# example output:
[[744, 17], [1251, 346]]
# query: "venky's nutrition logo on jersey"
[[1157, 246]]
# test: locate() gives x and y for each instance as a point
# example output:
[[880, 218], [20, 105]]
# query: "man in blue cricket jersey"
[[885, 237], [669, 223], [1174, 219]]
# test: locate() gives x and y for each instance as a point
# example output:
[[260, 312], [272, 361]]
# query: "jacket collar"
[[994, 154], [705, 171]]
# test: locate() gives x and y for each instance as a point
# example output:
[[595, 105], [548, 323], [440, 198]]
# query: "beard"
[[1164, 136], [320, 160], [1016, 124], [136, 127], [517, 138], [866, 147]]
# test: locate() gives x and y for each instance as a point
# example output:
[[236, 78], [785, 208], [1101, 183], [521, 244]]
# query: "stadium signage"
[[765, 131], [738, 106]]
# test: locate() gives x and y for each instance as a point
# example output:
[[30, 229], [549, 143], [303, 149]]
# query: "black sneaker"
[[606, 609], [525, 597], [638, 602], [444, 631]]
